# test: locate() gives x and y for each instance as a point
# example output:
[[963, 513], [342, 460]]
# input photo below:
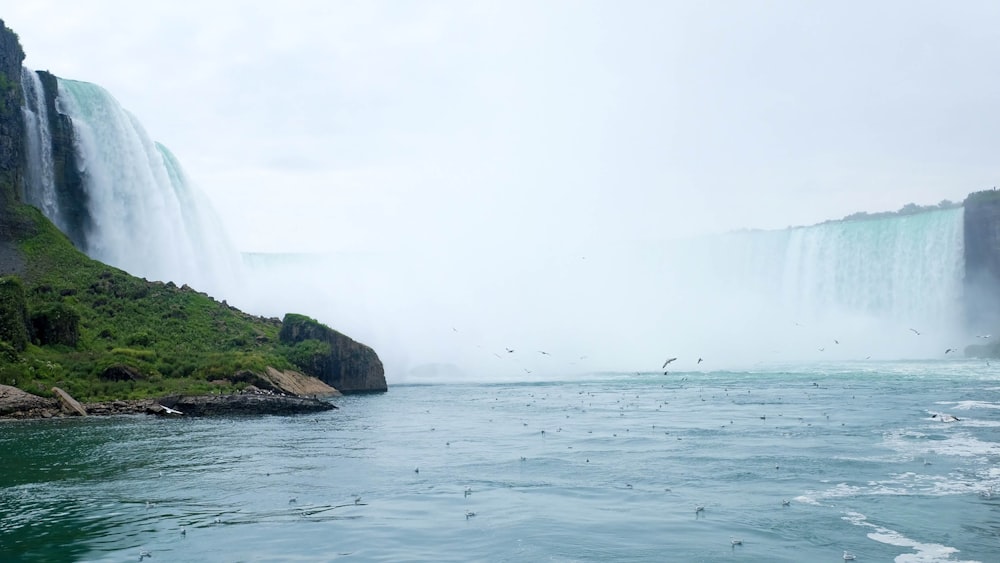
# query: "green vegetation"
[[102, 334], [983, 196], [908, 209]]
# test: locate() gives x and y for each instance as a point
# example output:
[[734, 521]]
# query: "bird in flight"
[[915, 331], [667, 362], [949, 350], [700, 360]]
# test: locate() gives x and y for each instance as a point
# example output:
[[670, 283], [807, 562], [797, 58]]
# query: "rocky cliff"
[[982, 260], [11, 129], [335, 359]]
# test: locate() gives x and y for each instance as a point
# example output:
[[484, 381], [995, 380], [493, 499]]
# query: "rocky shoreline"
[[18, 404]]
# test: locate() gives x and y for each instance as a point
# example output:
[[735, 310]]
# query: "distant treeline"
[[908, 209]]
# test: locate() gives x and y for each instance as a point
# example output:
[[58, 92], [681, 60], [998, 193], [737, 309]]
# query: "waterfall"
[[40, 188], [145, 216], [846, 290], [906, 268]]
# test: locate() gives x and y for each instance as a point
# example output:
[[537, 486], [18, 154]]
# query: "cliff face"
[[982, 260], [73, 199], [11, 127], [348, 366]]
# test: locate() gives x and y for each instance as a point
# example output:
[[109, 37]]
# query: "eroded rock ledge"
[[246, 403]]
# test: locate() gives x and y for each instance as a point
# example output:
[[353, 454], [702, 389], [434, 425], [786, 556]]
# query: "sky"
[[334, 125], [450, 132]]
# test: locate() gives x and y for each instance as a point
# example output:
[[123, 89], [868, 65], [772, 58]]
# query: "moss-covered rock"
[[337, 360], [56, 323], [14, 325]]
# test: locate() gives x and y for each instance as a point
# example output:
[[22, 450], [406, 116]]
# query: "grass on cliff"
[[176, 339]]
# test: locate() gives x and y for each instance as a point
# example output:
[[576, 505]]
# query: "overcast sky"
[[325, 125], [540, 155]]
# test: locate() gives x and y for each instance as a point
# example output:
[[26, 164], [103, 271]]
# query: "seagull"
[[509, 351], [667, 362], [848, 556], [786, 502], [699, 508], [983, 335], [468, 491], [357, 500], [735, 541], [469, 514], [949, 350], [945, 417], [699, 360], [915, 331], [543, 352], [144, 554], [184, 531]]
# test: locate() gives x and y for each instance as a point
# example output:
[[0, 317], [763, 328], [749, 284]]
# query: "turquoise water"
[[607, 467]]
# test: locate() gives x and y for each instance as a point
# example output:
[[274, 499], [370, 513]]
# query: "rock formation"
[[246, 403], [982, 260], [337, 360], [15, 403], [68, 403]]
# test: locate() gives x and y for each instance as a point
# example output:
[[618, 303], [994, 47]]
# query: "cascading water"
[[842, 290], [906, 268], [145, 217], [40, 188]]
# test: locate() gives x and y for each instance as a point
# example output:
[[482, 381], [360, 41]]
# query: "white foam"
[[960, 444], [969, 405], [925, 552]]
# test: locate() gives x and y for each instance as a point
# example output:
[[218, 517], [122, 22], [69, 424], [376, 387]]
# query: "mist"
[[743, 300]]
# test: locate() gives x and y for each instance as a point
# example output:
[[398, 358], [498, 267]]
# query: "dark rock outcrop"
[[120, 372], [11, 122], [69, 182], [337, 360], [14, 323], [56, 324], [244, 404], [982, 260], [12, 151]]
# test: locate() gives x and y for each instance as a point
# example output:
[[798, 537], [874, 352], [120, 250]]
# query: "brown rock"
[[15, 403], [295, 383], [69, 404]]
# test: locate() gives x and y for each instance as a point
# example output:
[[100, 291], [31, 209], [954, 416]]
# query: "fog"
[[740, 301]]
